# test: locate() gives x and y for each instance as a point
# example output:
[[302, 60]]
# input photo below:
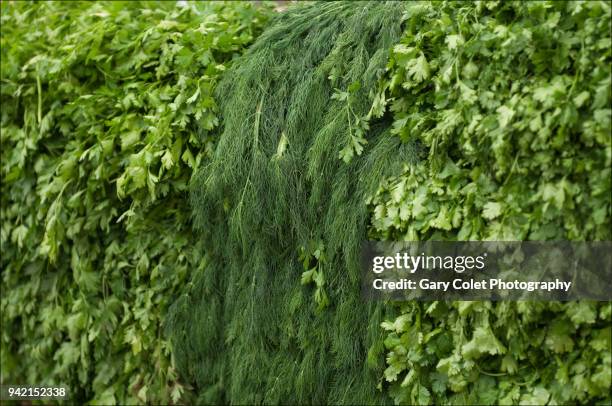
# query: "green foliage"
[[511, 103], [313, 259], [107, 109], [516, 119], [276, 206], [499, 353]]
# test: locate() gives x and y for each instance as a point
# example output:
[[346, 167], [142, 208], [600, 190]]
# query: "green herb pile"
[[274, 328], [341, 121], [511, 103], [106, 110]]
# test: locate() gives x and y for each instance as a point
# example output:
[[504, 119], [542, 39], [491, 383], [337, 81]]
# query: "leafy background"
[[511, 103], [107, 108]]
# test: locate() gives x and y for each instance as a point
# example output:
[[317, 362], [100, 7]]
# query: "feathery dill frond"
[[246, 330]]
